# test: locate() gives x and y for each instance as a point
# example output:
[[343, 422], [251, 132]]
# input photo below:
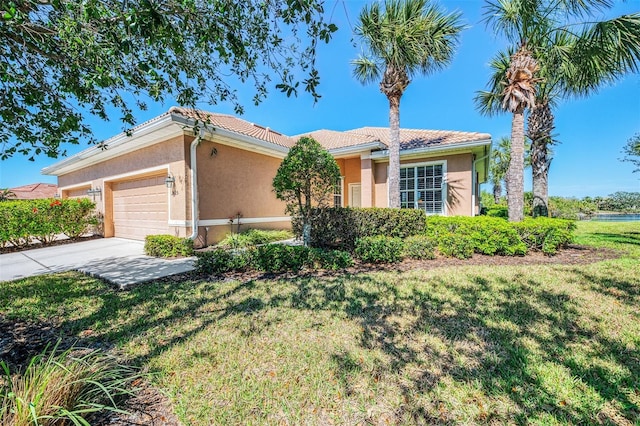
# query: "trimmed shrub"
[[488, 235], [545, 234], [167, 246], [379, 249], [78, 217], [497, 210], [341, 227], [458, 245], [329, 259], [254, 237], [219, 261], [280, 258], [23, 221], [419, 247]]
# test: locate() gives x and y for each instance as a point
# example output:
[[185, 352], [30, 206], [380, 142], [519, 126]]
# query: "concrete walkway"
[[115, 260]]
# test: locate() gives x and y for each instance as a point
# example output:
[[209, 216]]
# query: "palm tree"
[[406, 38], [6, 194], [574, 60], [499, 165]]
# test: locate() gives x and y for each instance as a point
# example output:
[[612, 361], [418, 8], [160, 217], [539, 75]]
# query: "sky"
[[592, 131]]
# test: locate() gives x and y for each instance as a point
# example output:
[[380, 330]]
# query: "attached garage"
[[140, 207]]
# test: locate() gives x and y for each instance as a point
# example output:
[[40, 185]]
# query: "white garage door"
[[140, 207]]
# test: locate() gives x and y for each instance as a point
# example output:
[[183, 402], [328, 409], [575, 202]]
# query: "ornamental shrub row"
[[341, 227], [167, 246], [453, 236], [23, 221], [273, 258]]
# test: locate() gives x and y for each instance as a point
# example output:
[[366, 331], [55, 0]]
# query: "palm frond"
[[489, 102], [410, 35], [603, 52], [366, 70]]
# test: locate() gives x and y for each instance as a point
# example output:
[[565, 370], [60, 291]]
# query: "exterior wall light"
[[169, 181]]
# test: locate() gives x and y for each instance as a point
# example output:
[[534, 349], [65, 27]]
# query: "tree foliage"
[[631, 151], [576, 54], [62, 60], [306, 178], [403, 39]]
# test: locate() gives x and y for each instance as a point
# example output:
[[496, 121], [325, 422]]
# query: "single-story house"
[[188, 167], [34, 191]]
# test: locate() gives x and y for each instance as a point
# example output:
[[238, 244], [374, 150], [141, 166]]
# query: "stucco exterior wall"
[[459, 196], [232, 181], [350, 171], [167, 157]]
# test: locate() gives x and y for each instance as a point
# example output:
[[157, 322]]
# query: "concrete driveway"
[[116, 260]]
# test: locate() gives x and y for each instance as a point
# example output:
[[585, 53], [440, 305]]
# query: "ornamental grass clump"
[[63, 387]]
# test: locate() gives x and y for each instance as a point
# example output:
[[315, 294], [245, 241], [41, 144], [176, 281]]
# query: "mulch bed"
[[571, 255], [20, 341]]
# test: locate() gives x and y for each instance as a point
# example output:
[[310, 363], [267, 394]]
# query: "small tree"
[[631, 151], [305, 179]]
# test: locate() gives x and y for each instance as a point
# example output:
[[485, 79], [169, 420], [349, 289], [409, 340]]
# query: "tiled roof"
[[35, 191], [418, 138], [331, 139], [237, 125]]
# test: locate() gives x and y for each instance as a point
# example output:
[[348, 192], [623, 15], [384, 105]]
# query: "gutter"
[[356, 148], [194, 186], [381, 155]]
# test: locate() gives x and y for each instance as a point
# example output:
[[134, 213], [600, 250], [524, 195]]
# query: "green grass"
[[548, 344]]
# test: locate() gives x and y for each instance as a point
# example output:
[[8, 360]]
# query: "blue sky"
[[592, 131]]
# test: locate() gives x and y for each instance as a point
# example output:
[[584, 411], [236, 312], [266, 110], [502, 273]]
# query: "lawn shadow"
[[497, 332]]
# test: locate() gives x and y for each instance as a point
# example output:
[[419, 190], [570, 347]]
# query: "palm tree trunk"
[[540, 187], [540, 126], [394, 152], [515, 174], [497, 192]]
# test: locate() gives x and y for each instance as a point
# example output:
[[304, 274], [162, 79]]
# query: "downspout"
[[473, 183], [194, 186]]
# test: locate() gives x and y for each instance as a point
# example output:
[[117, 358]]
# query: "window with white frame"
[[337, 193], [422, 187]]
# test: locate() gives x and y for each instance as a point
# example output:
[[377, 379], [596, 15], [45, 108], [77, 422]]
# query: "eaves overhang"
[[430, 150], [357, 149], [235, 139], [171, 125]]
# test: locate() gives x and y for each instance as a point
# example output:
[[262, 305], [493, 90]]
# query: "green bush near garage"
[[168, 246]]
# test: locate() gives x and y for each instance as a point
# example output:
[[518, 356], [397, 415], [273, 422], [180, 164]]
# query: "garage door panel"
[[140, 207]]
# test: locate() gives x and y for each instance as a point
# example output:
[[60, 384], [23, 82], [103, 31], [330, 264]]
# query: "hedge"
[[340, 227], [545, 234], [23, 221], [167, 246], [271, 258], [486, 235]]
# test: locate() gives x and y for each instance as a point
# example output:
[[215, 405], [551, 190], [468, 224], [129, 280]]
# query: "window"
[[337, 193], [422, 187]]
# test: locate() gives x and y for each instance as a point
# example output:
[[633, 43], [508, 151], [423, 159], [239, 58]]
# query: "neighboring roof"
[[419, 138], [236, 125], [35, 191]]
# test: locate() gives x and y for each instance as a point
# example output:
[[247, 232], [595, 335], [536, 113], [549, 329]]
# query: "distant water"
[[617, 217]]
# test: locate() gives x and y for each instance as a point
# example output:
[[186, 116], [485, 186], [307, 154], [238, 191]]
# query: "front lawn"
[[545, 344]]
